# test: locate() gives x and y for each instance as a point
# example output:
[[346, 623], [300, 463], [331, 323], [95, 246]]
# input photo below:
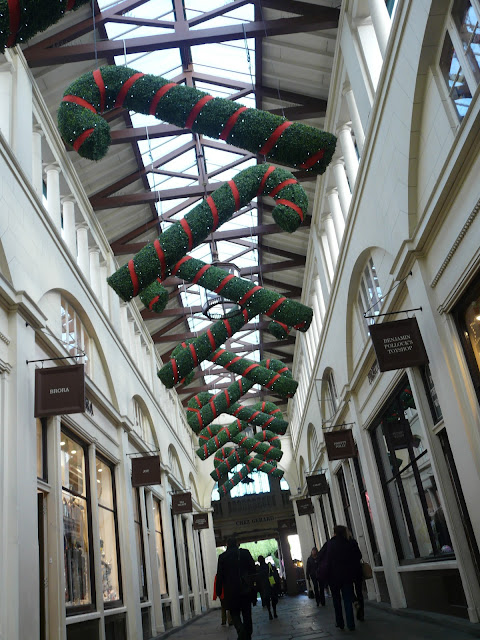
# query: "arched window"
[[313, 448], [143, 425], [369, 294], [331, 396], [75, 335]]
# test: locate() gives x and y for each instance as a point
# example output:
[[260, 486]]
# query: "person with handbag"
[[225, 613], [312, 575], [340, 561], [268, 584], [236, 578]]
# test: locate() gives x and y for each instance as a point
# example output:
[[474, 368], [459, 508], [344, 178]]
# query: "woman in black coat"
[[339, 562], [267, 574]]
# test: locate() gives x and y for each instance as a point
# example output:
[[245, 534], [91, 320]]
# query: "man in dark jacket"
[[341, 558], [312, 574], [235, 575]]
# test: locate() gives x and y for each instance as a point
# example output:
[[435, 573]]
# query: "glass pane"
[[454, 77], [468, 29], [108, 553], [72, 460], [76, 558], [472, 321], [40, 469], [104, 485], [141, 569]]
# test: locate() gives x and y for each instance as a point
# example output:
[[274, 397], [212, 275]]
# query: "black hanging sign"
[[317, 485], [288, 524], [59, 390], [305, 507], [340, 444], [398, 344], [146, 471], [181, 503], [200, 521], [399, 434]]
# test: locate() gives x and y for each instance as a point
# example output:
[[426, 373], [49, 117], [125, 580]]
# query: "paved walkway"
[[300, 619]]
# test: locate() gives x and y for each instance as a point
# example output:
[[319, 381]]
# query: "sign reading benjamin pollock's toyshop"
[[146, 471], [59, 390], [398, 344]]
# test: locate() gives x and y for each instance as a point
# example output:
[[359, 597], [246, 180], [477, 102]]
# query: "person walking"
[[225, 613], [268, 585], [236, 577], [358, 600], [312, 575], [339, 560]]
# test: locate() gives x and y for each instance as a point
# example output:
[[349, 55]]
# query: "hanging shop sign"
[[288, 525], [146, 471], [59, 390], [398, 344], [340, 445], [317, 485], [398, 433], [200, 521], [305, 507], [181, 503]]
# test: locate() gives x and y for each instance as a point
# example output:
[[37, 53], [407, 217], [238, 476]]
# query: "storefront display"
[[75, 524], [107, 528], [413, 503]]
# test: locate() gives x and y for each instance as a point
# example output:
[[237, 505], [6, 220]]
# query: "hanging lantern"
[[214, 306]]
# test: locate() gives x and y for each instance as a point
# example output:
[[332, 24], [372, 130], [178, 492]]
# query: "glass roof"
[[232, 62]]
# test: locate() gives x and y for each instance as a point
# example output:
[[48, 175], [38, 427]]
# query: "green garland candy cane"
[[20, 20], [110, 87]]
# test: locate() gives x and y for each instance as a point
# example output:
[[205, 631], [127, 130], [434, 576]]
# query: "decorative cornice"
[[4, 338], [456, 244]]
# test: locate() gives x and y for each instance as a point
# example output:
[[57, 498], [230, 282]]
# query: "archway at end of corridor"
[[259, 514]]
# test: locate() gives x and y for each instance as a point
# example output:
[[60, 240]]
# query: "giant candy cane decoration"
[[290, 144]]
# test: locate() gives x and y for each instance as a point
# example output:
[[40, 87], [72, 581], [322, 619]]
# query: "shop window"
[[82, 630], [369, 295], [177, 564], [413, 503], [347, 512], [115, 627], [107, 522], [467, 317], [75, 336], [367, 511], [41, 450], [137, 521], [186, 554], [159, 547], [76, 525], [460, 56]]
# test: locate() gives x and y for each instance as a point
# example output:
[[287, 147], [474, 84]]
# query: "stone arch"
[[49, 300], [174, 463], [383, 261], [144, 428]]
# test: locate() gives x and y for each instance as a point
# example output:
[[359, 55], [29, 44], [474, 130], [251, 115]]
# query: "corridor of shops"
[[299, 618]]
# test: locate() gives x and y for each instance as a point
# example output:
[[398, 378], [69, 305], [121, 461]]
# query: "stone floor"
[[299, 618]]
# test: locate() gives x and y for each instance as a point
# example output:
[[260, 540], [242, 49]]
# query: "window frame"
[[458, 313], [111, 604]]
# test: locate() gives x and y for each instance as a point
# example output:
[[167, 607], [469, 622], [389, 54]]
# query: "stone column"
[[337, 214], [331, 239], [104, 287], [355, 118], [82, 250], [317, 315], [124, 326], [37, 171], [322, 268], [94, 262], [6, 101], [155, 596], [381, 23], [319, 296], [22, 117], [207, 540], [68, 231], [53, 193], [330, 270], [114, 301], [344, 193], [349, 153]]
